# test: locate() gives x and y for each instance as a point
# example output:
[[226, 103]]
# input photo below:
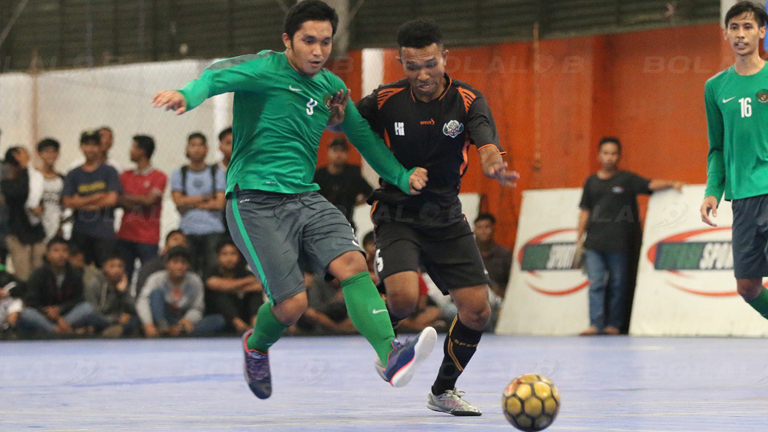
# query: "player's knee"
[[749, 289], [401, 304], [476, 317], [348, 264]]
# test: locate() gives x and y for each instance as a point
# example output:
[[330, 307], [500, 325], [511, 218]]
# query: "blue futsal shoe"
[[256, 370], [406, 356]]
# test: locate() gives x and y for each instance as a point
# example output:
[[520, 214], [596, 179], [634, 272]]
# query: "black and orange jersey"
[[435, 135]]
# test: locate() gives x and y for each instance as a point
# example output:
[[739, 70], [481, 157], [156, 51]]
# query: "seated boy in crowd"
[[54, 300], [11, 293], [172, 301], [109, 295], [232, 290], [147, 269]]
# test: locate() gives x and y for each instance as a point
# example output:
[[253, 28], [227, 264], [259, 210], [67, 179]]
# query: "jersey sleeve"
[[640, 184], [715, 160], [234, 74], [481, 126], [176, 181], [373, 149], [369, 109]]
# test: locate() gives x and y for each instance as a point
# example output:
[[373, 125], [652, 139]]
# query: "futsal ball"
[[530, 402]]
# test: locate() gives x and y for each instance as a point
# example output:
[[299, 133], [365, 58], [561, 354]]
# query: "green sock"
[[369, 313], [267, 329], [760, 303]]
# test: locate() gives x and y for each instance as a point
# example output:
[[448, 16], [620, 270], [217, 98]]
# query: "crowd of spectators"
[[75, 273]]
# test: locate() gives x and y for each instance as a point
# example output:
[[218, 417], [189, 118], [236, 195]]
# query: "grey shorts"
[[750, 237], [280, 235]]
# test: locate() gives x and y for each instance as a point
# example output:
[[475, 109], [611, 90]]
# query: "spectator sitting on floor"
[[172, 239], [232, 290], [54, 300], [11, 304], [109, 295], [172, 301]]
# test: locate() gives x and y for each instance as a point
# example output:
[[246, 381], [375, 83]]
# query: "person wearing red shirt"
[[142, 200]]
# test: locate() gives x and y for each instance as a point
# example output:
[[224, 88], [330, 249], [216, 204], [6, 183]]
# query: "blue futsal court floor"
[[612, 384]]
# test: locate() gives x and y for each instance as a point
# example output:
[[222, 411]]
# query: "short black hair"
[[368, 238], [103, 128], [115, 255], [309, 10], [339, 143], [225, 132], [74, 249], [179, 252], [747, 7], [200, 135], [419, 33], [48, 143], [56, 240], [10, 156], [485, 216], [611, 140], [90, 137], [146, 144], [223, 242], [174, 232]]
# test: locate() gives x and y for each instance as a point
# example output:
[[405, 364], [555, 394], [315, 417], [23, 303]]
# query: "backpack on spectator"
[[184, 170]]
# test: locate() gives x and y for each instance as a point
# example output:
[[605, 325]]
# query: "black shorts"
[[448, 253], [750, 237]]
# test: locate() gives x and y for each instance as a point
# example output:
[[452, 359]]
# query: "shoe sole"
[[455, 413], [422, 350]]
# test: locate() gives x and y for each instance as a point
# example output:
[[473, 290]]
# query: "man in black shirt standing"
[[430, 120], [611, 221], [341, 183]]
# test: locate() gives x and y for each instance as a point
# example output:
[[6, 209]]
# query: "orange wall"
[[644, 87]]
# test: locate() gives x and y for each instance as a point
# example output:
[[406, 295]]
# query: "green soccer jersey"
[[737, 119], [279, 117]]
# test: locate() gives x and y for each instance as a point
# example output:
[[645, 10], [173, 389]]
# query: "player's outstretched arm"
[[494, 167], [709, 205], [171, 100], [378, 155]]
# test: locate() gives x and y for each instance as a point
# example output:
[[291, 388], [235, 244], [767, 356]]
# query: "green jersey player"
[[283, 102], [737, 165]]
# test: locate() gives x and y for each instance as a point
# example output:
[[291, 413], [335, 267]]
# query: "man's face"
[[484, 230], [743, 34], [424, 68], [177, 267], [225, 145], [609, 156], [337, 156], [57, 254], [114, 269], [136, 153], [49, 155], [310, 47], [91, 150], [197, 150], [106, 140], [177, 239], [229, 256]]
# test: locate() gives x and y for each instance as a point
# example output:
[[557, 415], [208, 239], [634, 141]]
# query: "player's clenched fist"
[[171, 100], [417, 180]]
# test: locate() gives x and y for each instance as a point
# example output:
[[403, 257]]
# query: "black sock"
[[459, 347]]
